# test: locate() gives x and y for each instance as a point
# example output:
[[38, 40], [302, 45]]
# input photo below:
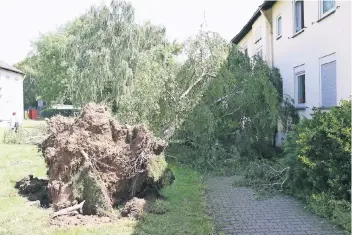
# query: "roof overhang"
[[13, 71], [265, 6], [7, 67]]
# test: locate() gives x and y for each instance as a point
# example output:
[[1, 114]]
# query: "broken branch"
[[68, 210]]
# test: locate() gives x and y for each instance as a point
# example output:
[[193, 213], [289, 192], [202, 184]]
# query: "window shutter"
[[328, 84]]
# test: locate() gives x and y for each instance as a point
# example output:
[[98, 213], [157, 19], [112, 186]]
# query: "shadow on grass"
[[34, 189], [184, 211]]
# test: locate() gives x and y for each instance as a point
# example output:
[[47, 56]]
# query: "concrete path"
[[236, 211]]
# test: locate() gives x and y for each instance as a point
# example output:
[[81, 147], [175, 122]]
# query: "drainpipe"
[[271, 39]]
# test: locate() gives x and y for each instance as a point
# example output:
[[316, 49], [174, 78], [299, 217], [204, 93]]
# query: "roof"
[[8, 67], [265, 6]]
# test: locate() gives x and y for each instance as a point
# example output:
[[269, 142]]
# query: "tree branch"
[[195, 83]]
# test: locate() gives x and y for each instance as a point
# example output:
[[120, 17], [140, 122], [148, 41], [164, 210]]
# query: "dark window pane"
[[299, 15], [301, 89], [279, 26], [328, 5]]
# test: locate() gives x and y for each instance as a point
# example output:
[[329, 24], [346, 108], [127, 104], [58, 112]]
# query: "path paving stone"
[[237, 212]]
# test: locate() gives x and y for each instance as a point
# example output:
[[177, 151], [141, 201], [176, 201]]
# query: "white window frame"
[[294, 17], [321, 13], [324, 60], [299, 70], [277, 27]]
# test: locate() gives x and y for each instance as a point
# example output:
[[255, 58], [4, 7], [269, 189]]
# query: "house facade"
[[11, 92], [310, 43]]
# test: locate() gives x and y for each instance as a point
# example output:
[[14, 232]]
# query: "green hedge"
[[48, 113], [319, 155]]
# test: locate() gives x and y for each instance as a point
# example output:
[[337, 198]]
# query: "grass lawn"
[[186, 216]]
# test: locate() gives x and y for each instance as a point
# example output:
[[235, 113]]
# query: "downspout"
[[271, 65], [271, 38]]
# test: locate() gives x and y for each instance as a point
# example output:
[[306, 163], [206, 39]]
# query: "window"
[[258, 34], [300, 86], [328, 81], [299, 15], [278, 26], [301, 89], [326, 7]]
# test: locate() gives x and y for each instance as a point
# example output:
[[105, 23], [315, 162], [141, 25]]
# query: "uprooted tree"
[[99, 163]]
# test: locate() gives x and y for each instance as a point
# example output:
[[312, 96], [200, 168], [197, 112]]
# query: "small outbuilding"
[[11, 92]]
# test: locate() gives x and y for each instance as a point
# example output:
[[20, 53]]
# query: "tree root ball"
[[95, 159]]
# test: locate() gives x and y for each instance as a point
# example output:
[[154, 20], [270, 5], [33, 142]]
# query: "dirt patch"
[[34, 189], [93, 158], [66, 221]]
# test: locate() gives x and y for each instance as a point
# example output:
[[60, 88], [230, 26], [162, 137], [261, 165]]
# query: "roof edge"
[[265, 6], [14, 71], [10, 68]]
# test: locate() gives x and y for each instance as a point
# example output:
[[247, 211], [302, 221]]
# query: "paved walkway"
[[236, 211]]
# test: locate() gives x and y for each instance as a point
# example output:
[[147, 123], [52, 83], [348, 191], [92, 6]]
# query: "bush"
[[33, 135], [12, 137], [48, 113], [159, 207], [318, 153]]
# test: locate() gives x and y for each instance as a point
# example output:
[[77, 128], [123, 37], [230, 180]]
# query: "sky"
[[22, 21]]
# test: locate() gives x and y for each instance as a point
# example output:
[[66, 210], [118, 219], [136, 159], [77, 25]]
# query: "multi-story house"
[[310, 43]]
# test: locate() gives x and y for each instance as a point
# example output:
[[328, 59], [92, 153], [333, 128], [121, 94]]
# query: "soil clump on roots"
[[94, 164]]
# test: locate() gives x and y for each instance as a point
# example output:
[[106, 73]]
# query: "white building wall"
[[11, 95], [331, 35], [321, 39]]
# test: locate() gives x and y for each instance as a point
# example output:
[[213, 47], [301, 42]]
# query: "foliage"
[[267, 178], [156, 167], [235, 120], [48, 113], [320, 148], [30, 86], [318, 152], [159, 207], [105, 57], [338, 210], [12, 137], [32, 135]]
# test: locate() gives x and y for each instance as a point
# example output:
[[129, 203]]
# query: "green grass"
[[186, 213]]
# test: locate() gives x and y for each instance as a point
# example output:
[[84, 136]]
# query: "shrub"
[[33, 135], [159, 207], [48, 113], [12, 137], [318, 153]]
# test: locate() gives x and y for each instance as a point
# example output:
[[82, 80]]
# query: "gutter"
[[13, 71], [271, 39]]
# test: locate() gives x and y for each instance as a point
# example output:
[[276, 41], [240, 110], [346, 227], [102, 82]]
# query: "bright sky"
[[21, 21]]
